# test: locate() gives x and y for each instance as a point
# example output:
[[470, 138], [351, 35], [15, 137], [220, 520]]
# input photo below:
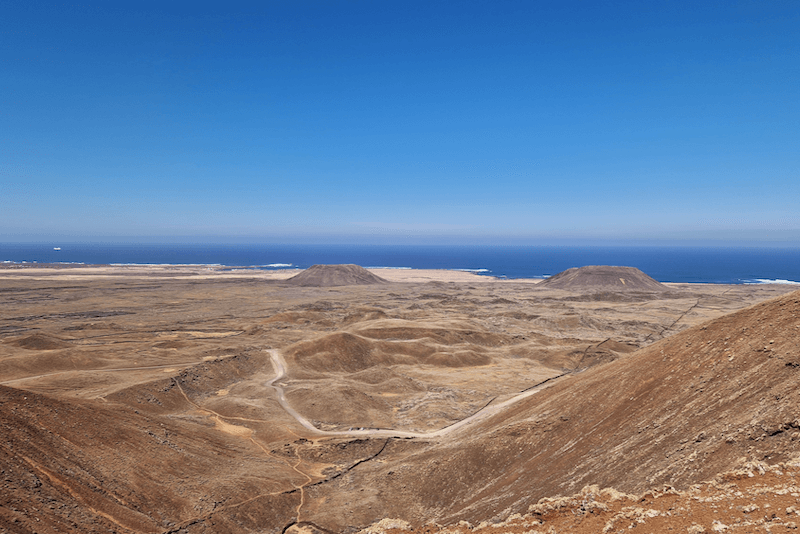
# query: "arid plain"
[[202, 399]]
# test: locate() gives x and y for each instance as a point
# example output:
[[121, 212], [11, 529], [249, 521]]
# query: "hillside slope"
[[335, 275], [78, 467], [677, 412], [603, 278], [755, 498]]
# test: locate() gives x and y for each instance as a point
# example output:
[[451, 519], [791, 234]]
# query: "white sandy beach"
[[78, 272]]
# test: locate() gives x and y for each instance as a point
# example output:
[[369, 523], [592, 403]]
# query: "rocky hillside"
[[678, 412], [335, 275], [754, 498], [603, 278]]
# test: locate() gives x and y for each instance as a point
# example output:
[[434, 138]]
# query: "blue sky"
[[383, 121]]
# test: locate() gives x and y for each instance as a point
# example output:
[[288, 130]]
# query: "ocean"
[[718, 265]]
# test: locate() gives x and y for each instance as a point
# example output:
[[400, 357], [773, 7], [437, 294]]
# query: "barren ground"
[[143, 399]]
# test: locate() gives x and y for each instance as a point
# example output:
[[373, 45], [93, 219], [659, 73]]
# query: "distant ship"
[[56, 248]]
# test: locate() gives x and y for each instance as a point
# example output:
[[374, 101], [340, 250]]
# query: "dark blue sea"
[[719, 265]]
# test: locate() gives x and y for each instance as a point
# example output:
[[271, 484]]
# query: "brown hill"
[[335, 275], [39, 342], [345, 352], [677, 412], [603, 278], [79, 467]]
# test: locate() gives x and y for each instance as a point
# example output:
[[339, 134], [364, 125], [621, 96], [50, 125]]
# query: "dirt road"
[[279, 363]]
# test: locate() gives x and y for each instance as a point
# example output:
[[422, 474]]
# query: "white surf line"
[[280, 371], [116, 369]]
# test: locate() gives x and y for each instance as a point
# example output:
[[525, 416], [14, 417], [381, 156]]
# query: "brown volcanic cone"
[[677, 412], [603, 278], [335, 275]]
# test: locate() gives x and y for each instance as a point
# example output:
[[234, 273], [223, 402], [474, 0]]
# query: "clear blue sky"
[[389, 121]]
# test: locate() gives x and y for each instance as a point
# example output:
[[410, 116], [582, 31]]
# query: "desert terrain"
[[200, 399]]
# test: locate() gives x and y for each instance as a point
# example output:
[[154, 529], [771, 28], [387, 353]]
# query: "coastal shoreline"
[[718, 266], [83, 271], [78, 271]]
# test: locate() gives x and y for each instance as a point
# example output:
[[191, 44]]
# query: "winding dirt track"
[[101, 370], [280, 372]]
